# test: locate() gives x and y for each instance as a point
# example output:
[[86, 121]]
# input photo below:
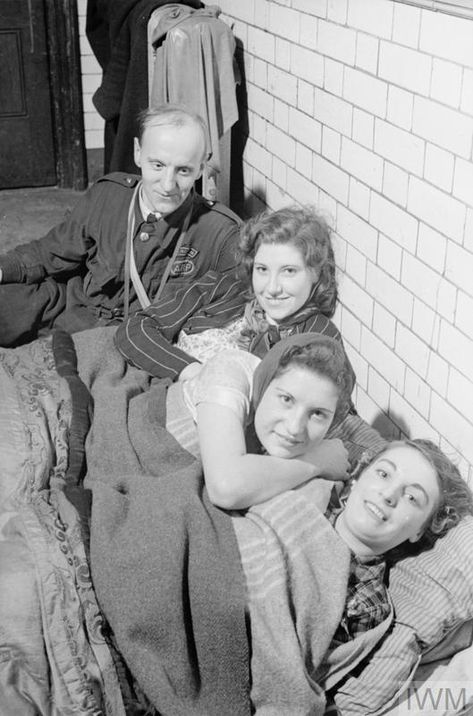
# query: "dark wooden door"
[[27, 156]]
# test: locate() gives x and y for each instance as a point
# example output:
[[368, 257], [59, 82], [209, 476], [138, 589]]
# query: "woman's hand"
[[330, 458], [190, 371]]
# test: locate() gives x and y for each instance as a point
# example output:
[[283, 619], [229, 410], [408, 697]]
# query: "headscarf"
[[267, 369], [257, 324]]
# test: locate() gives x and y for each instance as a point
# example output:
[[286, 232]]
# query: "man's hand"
[[330, 457], [190, 371]]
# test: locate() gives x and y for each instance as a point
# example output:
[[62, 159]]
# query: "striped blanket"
[[296, 570]]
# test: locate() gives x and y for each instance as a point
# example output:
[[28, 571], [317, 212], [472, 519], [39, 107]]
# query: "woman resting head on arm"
[[284, 411]]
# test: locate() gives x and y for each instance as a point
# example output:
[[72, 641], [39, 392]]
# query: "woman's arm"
[[236, 479]]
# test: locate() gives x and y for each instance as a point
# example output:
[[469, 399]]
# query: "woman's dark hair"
[[304, 228], [326, 358], [456, 498]]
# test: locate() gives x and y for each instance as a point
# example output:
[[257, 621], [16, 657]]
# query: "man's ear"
[[137, 152], [201, 170]]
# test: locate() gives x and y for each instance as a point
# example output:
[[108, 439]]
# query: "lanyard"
[[130, 266]]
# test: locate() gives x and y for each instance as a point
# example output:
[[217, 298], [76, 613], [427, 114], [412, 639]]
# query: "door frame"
[[65, 79]]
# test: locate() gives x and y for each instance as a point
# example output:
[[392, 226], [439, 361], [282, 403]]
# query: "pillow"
[[458, 639], [432, 594], [357, 436], [433, 591], [382, 676]]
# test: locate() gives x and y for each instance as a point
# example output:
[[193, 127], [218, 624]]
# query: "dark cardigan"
[[118, 34]]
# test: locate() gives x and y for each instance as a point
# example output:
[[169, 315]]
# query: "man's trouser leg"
[[25, 309]]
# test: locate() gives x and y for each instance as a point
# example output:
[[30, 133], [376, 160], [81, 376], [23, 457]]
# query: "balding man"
[[127, 237]]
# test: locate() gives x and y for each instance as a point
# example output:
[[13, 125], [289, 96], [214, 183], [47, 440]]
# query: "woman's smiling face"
[[295, 412], [281, 280], [390, 502]]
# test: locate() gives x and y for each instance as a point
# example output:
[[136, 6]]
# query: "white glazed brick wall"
[[365, 108], [91, 78]]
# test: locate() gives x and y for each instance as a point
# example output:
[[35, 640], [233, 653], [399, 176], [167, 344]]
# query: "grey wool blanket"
[[165, 562]]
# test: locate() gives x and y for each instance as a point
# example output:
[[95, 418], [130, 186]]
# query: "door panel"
[[26, 128]]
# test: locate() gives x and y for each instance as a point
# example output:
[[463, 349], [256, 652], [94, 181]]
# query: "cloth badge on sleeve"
[[184, 263]]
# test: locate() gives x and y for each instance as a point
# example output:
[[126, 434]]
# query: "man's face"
[[171, 160]]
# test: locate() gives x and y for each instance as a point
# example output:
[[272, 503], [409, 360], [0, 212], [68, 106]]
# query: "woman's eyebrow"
[[323, 408], [391, 464], [282, 389], [419, 487]]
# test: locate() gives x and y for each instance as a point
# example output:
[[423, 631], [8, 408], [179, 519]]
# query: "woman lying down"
[[314, 560]]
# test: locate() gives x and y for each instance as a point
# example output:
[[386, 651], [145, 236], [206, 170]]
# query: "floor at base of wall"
[[27, 214]]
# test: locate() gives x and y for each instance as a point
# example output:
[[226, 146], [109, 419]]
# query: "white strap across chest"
[[131, 271]]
